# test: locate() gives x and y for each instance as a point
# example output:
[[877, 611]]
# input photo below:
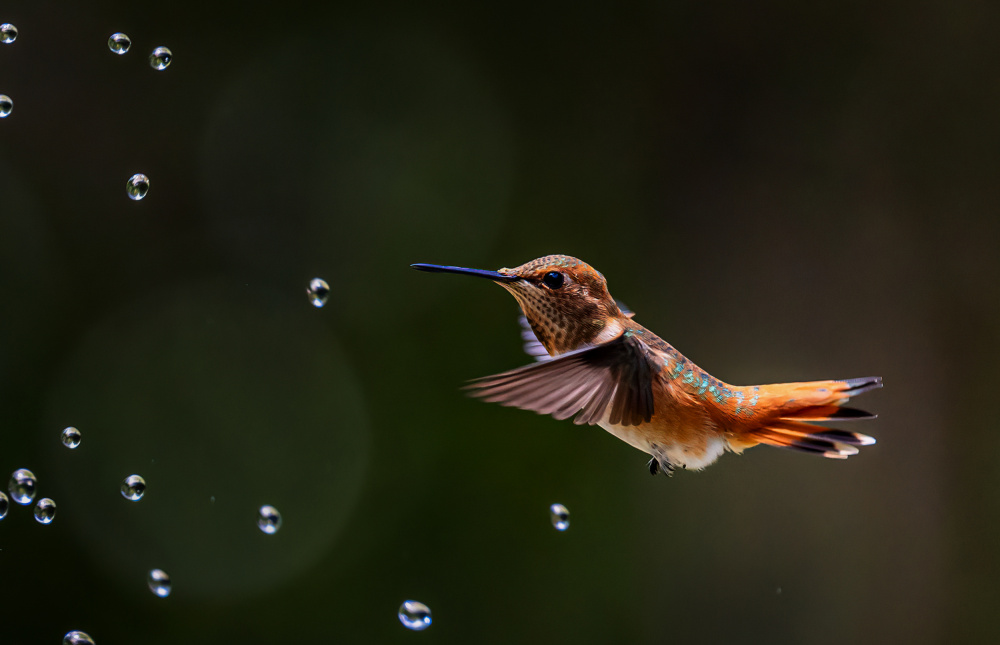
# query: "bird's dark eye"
[[553, 279]]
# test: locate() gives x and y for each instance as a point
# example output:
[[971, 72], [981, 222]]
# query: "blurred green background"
[[783, 190]]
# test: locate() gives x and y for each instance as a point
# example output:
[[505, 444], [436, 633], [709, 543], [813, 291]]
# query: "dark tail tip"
[[856, 386], [852, 414]]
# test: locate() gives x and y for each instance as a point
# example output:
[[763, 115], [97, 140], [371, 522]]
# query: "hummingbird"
[[595, 363]]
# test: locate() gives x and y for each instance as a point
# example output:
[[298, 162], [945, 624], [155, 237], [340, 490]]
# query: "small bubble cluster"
[[71, 437], [318, 292], [119, 43], [560, 516], [161, 58], [159, 582], [414, 615], [45, 511], [8, 33], [22, 486], [133, 488], [268, 519]]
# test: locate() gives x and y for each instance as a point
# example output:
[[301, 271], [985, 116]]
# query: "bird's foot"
[[659, 463]]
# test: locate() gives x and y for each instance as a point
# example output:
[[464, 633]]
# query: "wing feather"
[[584, 383], [593, 412]]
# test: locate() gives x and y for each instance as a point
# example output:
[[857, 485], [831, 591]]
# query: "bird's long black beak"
[[490, 275]]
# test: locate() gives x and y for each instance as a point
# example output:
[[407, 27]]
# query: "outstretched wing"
[[535, 349], [584, 383]]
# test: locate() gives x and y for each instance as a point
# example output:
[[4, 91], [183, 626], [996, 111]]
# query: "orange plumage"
[[598, 365]]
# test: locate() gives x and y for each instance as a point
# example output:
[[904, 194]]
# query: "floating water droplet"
[[160, 58], [77, 638], [137, 186], [45, 511], [22, 486], [4, 505], [318, 292], [415, 615], [6, 105], [8, 33], [560, 516], [268, 519], [119, 43], [159, 582], [71, 437], [133, 488]]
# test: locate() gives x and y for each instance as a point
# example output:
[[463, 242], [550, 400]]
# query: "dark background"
[[783, 190]]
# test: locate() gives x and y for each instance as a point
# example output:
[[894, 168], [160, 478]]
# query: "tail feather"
[[827, 446], [856, 386], [813, 431], [852, 438], [829, 413], [800, 404]]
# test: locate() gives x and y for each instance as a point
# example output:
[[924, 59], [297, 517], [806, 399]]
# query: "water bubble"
[[415, 615], [71, 437], [560, 516], [268, 519], [8, 33], [318, 291], [22, 486], [4, 505], [77, 638], [6, 105], [137, 186], [119, 43], [159, 582], [45, 511], [133, 488], [160, 58]]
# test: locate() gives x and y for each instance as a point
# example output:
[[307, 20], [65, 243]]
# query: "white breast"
[[675, 454]]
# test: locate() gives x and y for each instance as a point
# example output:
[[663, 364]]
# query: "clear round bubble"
[[137, 186], [560, 516], [71, 437], [22, 486], [160, 58], [6, 105], [77, 638], [318, 292], [159, 582], [415, 615], [119, 43], [45, 511], [133, 488], [8, 33], [4, 505], [268, 519]]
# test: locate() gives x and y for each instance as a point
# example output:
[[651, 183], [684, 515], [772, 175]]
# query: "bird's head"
[[565, 300]]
